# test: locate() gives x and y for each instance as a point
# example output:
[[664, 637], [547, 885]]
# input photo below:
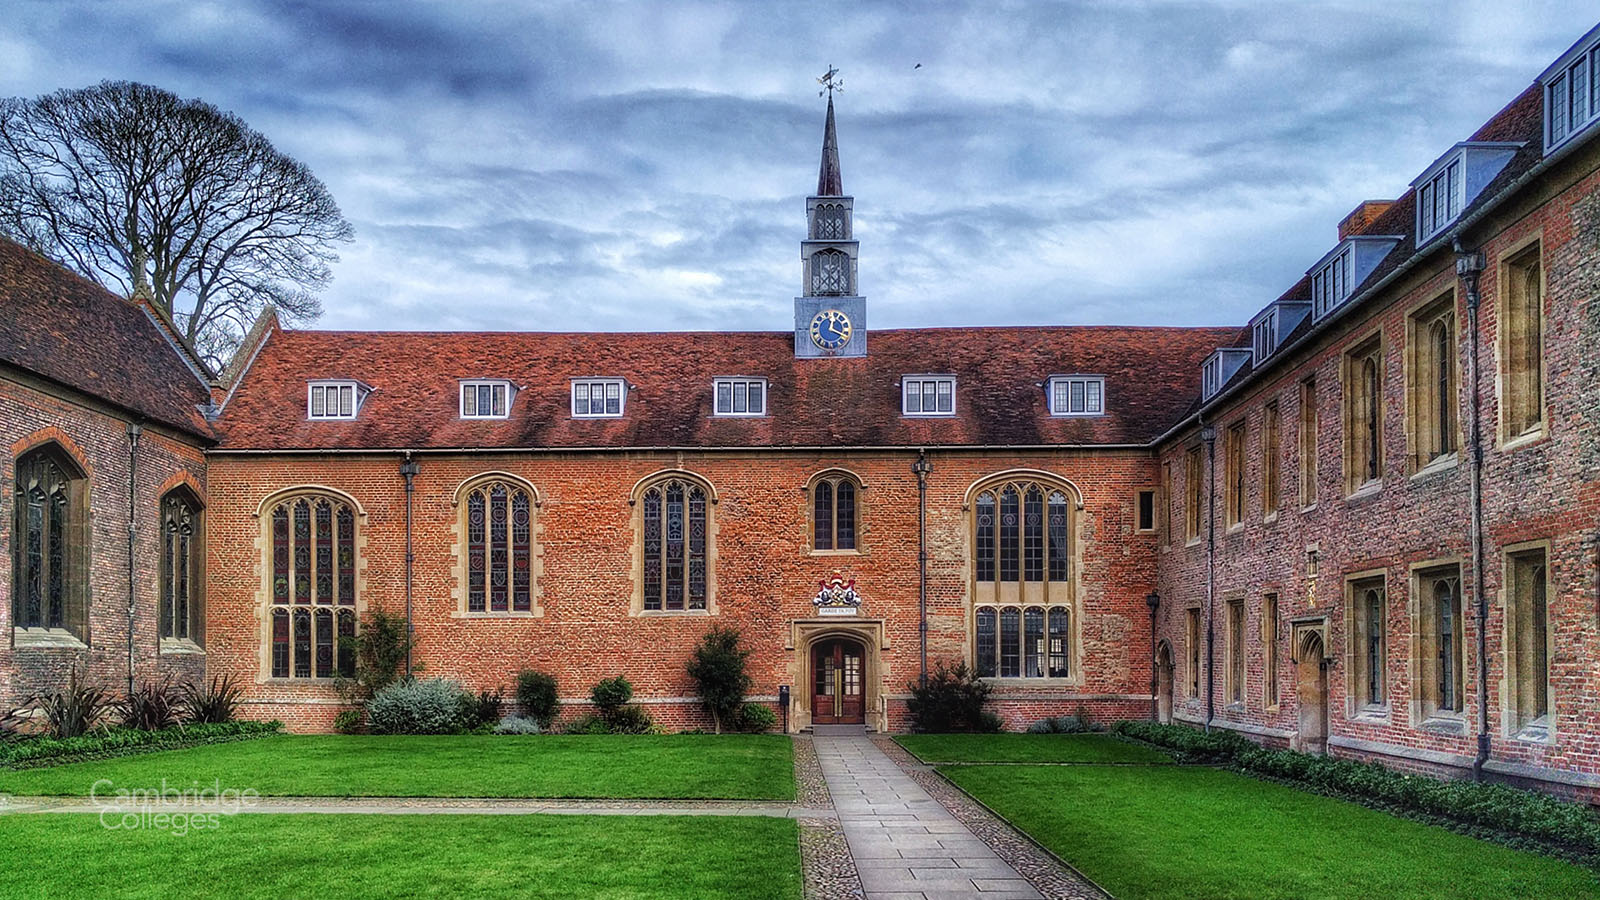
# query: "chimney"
[[1362, 216]]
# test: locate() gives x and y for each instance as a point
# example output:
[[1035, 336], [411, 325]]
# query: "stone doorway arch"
[[1164, 683], [1311, 693], [809, 640]]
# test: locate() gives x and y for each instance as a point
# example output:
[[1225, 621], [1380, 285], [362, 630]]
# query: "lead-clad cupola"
[[830, 316]]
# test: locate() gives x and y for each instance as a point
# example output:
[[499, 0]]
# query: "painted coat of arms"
[[837, 596]]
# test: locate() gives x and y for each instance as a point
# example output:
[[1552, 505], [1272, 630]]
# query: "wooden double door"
[[838, 682]]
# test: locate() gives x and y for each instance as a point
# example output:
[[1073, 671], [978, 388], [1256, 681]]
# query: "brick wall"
[[33, 413], [765, 573], [1546, 490]]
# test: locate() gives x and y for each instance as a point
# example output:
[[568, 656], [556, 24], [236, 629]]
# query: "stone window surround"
[[835, 473], [1422, 400], [636, 518], [1355, 647], [1543, 729], [1506, 262], [79, 549], [459, 555], [263, 604], [1425, 714]]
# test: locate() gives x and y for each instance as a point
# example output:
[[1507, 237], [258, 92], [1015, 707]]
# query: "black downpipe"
[[1469, 265], [408, 471], [921, 468], [134, 431], [1209, 434]]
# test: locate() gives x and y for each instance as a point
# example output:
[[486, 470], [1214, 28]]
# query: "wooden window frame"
[[1308, 432], [1092, 388], [605, 387], [1432, 385], [318, 390], [939, 382], [1236, 681], [1271, 461], [501, 396], [1193, 479], [1235, 464], [734, 383]]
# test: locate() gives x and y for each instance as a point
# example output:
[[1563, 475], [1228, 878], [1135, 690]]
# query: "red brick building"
[[1300, 509]]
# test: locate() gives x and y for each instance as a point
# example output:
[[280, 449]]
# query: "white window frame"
[[734, 383], [1330, 285], [1265, 334], [1451, 178], [337, 385], [1093, 385], [1557, 81], [606, 385], [939, 382], [1211, 376], [493, 384]]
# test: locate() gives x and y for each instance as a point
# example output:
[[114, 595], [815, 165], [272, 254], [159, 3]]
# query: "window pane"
[[1010, 522], [1033, 642], [521, 569], [675, 548], [280, 643], [499, 582], [697, 549], [947, 400], [983, 544], [1058, 397], [318, 401], [347, 651], [756, 398], [845, 532], [580, 399], [347, 556], [724, 396], [1010, 647], [740, 401], [613, 399], [477, 552], [1058, 642], [929, 390], [1077, 397], [324, 620], [1033, 535], [985, 639], [1093, 402], [822, 517], [302, 643], [1059, 545], [913, 396], [652, 549], [469, 400]]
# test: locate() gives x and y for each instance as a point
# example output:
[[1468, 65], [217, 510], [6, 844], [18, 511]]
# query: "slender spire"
[[829, 184]]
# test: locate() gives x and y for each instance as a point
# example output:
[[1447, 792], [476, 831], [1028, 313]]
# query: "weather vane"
[[830, 82]]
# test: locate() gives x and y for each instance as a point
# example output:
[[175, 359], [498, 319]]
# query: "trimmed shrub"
[[611, 694], [951, 701], [153, 706], [40, 751], [718, 669], [481, 711], [418, 706], [1190, 744], [213, 702], [756, 718], [517, 725], [348, 721], [536, 694], [630, 720]]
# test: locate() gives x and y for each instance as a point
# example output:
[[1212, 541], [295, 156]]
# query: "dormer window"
[[1077, 395], [334, 399], [1264, 334], [1572, 92], [1456, 179], [741, 396], [928, 395], [1272, 325], [485, 399], [598, 398], [1346, 266], [1219, 368]]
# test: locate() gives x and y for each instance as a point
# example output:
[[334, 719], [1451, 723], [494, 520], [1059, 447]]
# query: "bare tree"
[[125, 182]]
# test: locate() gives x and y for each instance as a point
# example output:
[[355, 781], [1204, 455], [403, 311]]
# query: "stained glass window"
[[676, 546], [499, 538], [47, 516], [312, 557]]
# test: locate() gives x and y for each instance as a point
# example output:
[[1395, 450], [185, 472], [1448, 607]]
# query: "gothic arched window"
[[830, 273], [49, 541], [1022, 586], [830, 223], [499, 544], [181, 591], [834, 515], [676, 545], [312, 554]]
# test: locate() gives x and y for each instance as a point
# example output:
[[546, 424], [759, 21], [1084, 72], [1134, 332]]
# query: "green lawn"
[[731, 767], [1206, 834], [1028, 748], [276, 856]]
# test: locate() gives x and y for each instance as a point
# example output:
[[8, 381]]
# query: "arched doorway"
[[1311, 694], [838, 682], [1164, 683]]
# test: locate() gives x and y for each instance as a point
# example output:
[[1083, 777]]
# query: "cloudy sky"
[[598, 166]]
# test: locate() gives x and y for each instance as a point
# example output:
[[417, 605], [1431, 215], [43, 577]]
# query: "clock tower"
[[830, 316]]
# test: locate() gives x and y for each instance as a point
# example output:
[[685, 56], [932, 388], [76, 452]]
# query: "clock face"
[[830, 329]]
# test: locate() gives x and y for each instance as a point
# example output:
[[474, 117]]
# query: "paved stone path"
[[906, 845]]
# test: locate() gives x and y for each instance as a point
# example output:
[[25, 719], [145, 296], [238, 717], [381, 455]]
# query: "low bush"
[[538, 697], [1495, 809], [38, 751], [718, 670], [1074, 724], [213, 702], [348, 721], [517, 725], [756, 717], [588, 723], [611, 694], [153, 706], [951, 701], [480, 712], [418, 706], [630, 720]]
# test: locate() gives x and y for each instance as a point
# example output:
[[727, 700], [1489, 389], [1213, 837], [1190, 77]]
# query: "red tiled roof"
[[74, 332], [1152, 375]]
